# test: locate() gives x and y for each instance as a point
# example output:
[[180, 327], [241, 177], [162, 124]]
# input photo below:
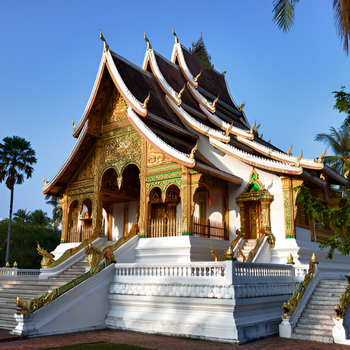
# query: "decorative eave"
[[68, 160], [253, 160], [152, 138], [177, 52], [334, 175], [283, 157], [195, 124], [218, 173], [225, 126], [92, 96], [132, 101], [169, 91], [201, 99]]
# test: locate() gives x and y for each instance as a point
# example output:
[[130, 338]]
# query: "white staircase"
[[248, 245], [315, 323], [30, 288]]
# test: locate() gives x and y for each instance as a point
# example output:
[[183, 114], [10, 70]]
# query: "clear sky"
[[50, 53]]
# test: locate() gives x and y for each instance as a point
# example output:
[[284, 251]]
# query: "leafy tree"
[[16, 158], [339, 142], [342, 103], [339, 219], [284, 17], [24, 240], [21, 216], [56, 211]]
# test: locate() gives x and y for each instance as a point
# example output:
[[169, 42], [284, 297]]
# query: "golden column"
[[143, 218], [186, 200], [64, 204], [288, 200], [97, 199]]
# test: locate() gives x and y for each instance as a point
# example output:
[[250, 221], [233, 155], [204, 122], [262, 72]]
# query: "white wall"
[[118, 221], [214, 212], [132, 214]]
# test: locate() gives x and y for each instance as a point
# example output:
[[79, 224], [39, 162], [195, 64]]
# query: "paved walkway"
[[152, 341]]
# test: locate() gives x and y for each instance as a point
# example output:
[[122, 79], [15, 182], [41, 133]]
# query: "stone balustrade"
[[6, 272]]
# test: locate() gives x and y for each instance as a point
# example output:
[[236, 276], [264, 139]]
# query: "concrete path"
[[152, 341]]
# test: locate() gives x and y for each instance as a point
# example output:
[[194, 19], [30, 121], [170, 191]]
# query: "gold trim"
[[148, 43], [176, 39]]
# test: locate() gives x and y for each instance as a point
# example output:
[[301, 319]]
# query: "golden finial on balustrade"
[[313, 258]]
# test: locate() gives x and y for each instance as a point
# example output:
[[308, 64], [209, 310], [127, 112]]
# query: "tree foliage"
[[339, 219], [284, 17], [57, 212], [25, 235], [342, 103]]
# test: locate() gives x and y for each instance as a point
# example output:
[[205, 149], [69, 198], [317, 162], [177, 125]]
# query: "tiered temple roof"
[[169, 99]]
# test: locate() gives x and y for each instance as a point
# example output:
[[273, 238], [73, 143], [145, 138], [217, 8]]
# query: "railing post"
[[230, 272]]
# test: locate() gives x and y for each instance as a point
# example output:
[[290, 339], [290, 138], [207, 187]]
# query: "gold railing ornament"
[[231, 249], [290, 259], [342, 308], [47, 257], [292, 303], [93, 254], [106, 254]]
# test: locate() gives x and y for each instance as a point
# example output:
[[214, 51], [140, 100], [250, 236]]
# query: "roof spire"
[[176, 39], [148, 43], [106, 47], [290, 148]]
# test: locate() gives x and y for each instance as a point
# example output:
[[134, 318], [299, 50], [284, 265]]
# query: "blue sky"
[[50, 52]]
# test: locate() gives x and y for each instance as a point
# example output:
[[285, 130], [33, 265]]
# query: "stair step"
[[324, 327], [316, 320], [313, 331], [318, 338]]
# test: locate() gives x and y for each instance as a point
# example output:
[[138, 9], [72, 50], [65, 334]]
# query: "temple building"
[[165, 147], [170, 179]]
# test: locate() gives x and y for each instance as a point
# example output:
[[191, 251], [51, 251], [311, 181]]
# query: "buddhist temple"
[[179, 218]]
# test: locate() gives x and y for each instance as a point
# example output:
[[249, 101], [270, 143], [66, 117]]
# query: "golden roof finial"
[[106, 47], [198, 75], [194, 149], [176, 39], [44, 182], [319, 160], [224, 72], [228, 130], [289, 149], [214, 102], [144, 105], [313, 258], [269, 141], [347, 174], [74, 125], [261, 135], [251, 129], [298, 159], [256, 130], [148, 43], [241, 107], [181, 91]]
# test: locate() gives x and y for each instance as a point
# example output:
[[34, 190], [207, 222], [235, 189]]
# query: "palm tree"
[[16, 158], [21, 216], [39, 218], [284, 17], [339, 142], [56, 211]]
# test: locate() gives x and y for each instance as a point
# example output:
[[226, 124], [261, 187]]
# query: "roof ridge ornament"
[[298, 159], [241, 107], [224, 72], [106, 47], [144, 105], [228, 130], [251, 129], [74, 125], [194, 149], [319, 160], [257, 128], [45, 183], [180, 92], [347, 174], [262, 133], [148, 43], [216, 100], [289, 149], [176, 39], [269, 141], [195, 79]]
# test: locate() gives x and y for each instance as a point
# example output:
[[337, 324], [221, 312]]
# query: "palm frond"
[[341, 10], [284, 13]]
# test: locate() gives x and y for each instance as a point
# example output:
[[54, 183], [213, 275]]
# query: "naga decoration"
[[74, 125], [224, 72], [106, 47], [196, 77], [252, 128], [241, 106], [148, 43], [297, 164], [319, 160], [228, 253], [92, 253], [47, 257], [289, 149], [216, 100], [144, 105], [292, 303], [257, 128], [342, 308], [180, 92], [228, 130], [194, 149], [176, 39]]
